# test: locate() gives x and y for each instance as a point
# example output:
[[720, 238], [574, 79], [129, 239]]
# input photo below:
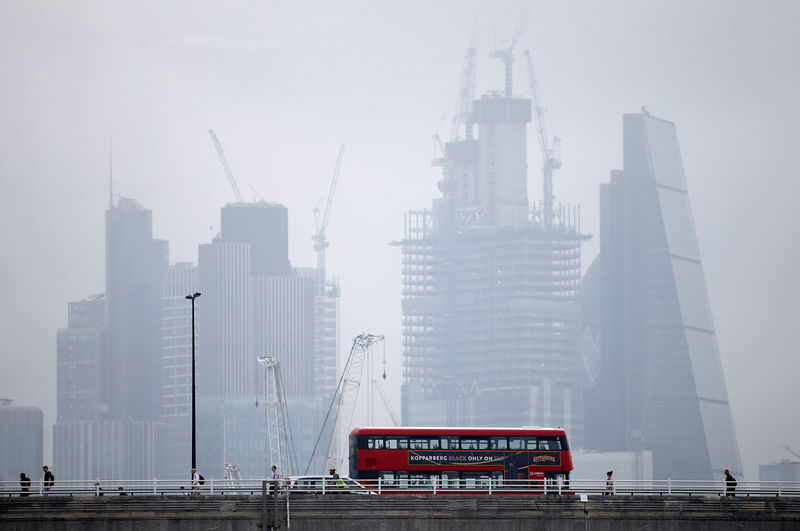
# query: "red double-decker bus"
[[459, 457]]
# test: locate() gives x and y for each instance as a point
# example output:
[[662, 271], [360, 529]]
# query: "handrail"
[[172, 487]]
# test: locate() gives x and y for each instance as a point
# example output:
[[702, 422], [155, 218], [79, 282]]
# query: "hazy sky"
[[284, 83]]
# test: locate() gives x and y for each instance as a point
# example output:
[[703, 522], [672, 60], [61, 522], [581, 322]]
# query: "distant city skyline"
[[285, 84]]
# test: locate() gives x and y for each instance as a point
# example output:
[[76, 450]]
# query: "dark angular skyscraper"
[[659, 385]]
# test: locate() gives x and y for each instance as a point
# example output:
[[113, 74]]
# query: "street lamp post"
[[194, 432]]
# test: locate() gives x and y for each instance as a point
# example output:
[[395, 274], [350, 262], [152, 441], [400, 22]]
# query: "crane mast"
[[463, 110], [551, 158], [507, 55], [320, 243], [278, 433], [340, 413], [225, 166]]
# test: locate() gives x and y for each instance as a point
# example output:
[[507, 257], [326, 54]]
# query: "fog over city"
[[283, 84]]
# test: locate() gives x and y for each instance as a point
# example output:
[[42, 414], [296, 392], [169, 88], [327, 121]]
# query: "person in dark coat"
[[25, 484], [730, 484]]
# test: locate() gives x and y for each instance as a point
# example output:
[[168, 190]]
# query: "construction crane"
[[278, 429], [463, 111], [320, 243], [225, 166], [389, 409], [340, 412], [551, 153], [507, 54]]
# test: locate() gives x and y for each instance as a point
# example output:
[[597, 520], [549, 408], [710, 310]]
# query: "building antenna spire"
[[110, 170]]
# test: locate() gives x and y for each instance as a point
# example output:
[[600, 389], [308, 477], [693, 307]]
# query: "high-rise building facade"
[[21, 440], [135, 266], [176, 408], [110, 377], [79, 351], [490, 323], [659, 384], [253, 304]]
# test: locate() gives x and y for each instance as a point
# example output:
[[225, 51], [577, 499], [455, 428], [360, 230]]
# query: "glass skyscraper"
[[659, 385]]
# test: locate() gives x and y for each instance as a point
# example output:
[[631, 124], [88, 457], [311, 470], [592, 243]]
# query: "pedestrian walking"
[[25, 484], [197, 480], [47, 480], [275, 478], [730, 484], [609, 483]]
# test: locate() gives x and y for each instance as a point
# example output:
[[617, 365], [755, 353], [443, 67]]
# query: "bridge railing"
[[620, 487]]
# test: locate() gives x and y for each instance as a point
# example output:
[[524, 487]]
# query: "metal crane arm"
[[227, 168], [465, 96], [320, 236], [540, 123]]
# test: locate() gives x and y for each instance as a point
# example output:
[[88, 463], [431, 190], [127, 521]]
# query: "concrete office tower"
[[135, 265], [490, 324], [660, 385], [252, 305], [21, 440], [110, 368], [79, 351], [176, 409]]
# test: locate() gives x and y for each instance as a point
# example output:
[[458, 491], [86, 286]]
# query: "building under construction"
[[490, 322]]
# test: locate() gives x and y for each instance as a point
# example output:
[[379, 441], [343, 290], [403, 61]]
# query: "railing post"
[[380, 482], [264, 504], [779, 488], [490, 485], [433, 479], [211, 481], [155, 486], [669, 486]]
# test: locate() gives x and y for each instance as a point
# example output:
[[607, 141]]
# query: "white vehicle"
[[325, 484]]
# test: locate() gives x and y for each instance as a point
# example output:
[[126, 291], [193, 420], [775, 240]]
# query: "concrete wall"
[[399, 512]]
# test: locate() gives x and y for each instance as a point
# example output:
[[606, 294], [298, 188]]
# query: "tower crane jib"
[[551, 158], [225, 166], [320, 243]]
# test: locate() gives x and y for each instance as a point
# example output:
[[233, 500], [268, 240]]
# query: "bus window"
[[530, 443], [449, 480], [387, 478], [402, 480], [469, 444], [497, 479], [419, 480], [450, 443], [549, 443], [394, 443], [418, 444], [483, 444], [473, 480], [516, 443], [498, 443], [434, 444], [375, 443]]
